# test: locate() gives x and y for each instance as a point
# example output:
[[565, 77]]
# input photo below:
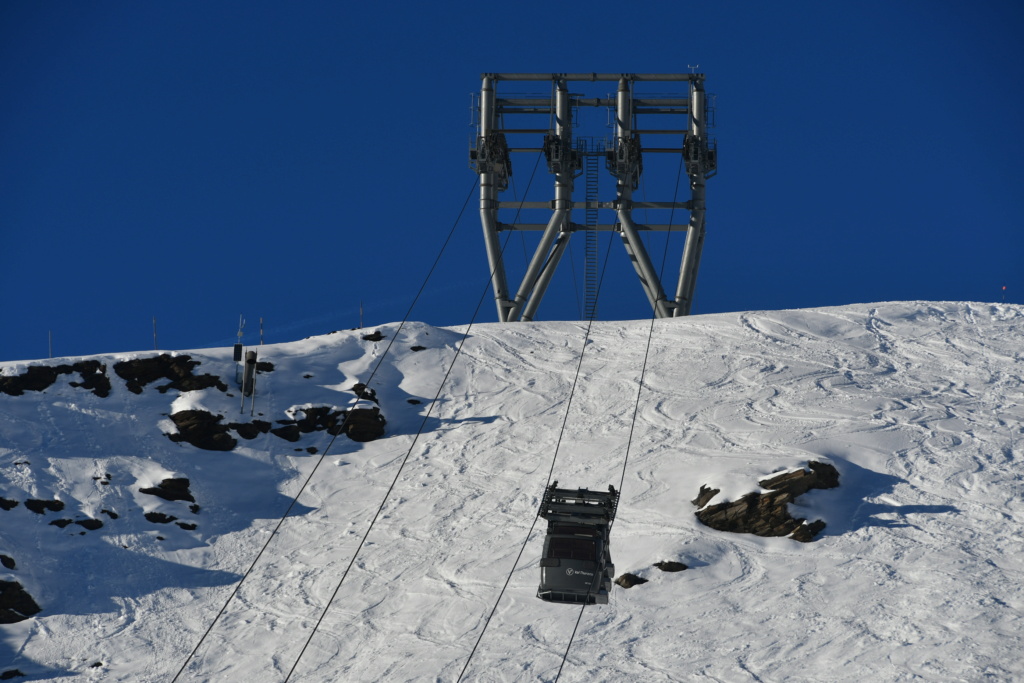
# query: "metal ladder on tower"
[[591, 157]]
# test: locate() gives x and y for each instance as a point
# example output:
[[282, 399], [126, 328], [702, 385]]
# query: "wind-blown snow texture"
[[918, 575]]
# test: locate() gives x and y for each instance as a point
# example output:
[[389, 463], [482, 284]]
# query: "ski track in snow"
[[917, 576]]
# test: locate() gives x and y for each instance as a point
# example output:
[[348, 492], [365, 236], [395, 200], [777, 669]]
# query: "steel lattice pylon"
[[490, 156]]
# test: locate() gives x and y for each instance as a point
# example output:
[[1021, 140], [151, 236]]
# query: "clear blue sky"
[[195, 161]]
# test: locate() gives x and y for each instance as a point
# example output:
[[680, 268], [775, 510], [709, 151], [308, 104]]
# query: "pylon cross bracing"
[[490, 157]]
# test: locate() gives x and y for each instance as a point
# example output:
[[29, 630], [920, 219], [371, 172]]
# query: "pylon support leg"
[[699, 164], [489, 157], [642, 263], [561, 242], [560, 162]]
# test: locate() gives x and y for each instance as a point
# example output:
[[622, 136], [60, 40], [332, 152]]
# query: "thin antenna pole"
[[155, 346], [51, 342], [361, 313], [261, 330]]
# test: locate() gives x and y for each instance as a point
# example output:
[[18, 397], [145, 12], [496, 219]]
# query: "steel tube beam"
[[600, 227], [562, 206], [543, 105], [545, 276], [489, 208], [634, 245], [648, 277], [592, 77], [595, 205], [695, 232]]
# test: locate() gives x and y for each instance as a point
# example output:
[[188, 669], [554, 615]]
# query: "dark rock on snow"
[[7, 504], [15, 603], [768, 514], [628, 580], [8, 562], [178, 369], [41, 506], [159, 518], [250, 430], [208, 432], [669, 566], [821, 476], [171, 489], [288, 433], [42, 377], [203, 430]]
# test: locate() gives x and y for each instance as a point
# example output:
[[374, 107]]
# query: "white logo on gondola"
[[570, 571]]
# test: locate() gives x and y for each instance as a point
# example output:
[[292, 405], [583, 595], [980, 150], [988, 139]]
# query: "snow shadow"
[[405, 414], [101, 580], [859, 506], [29, 670]]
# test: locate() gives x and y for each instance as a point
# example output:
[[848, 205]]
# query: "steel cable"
[[636, 405], [551, 470], [405, 459], [341, 428]]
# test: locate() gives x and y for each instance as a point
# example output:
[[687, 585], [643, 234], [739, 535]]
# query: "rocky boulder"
[[41, 377], [15, 603], [628, 580], [139, 372], [203, 430], [171, 489], [767, 514]]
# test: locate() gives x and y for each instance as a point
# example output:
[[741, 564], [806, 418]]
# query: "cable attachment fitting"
[[562, 158], [700, 156], [491, 156], [625, 160]]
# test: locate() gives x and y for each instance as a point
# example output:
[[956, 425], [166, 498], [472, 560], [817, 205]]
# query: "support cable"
[[551, 471], [405, 459], [323, 455], [636, 404]]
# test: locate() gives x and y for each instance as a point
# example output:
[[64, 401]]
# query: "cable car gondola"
[[576, 566]]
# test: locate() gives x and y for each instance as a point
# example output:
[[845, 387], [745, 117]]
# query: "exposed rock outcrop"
[[767, 514], [159, 518], [670, 566], [628, 580], [202, 430], [41, 506], [139, 372], [250, 430], [171, 489], [208, 431], [15, 603], [42, 377]]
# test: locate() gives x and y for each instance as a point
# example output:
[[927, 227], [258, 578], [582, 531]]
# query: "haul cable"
[[323, 455], [405, 459], [551, 470], [636, 405]]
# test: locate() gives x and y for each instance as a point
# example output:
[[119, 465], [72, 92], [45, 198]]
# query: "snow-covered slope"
[[917, 576]]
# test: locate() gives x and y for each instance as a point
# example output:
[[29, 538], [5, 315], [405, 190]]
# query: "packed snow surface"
[[919, 574]]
